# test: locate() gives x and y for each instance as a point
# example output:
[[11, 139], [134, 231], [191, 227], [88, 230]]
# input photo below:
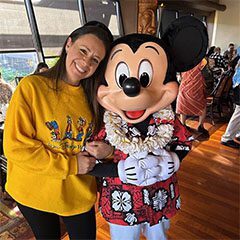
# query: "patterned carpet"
[[12, 223], [13, 226]]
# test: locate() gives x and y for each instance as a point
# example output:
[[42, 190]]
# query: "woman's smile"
[[80, 69]]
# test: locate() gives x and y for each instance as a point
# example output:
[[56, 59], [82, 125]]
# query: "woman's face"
[[43, 69], [83, 57]]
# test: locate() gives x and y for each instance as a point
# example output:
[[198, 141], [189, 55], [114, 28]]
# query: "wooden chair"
[[216, 98], [227, 95]]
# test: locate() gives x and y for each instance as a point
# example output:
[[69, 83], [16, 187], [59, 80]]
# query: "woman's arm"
[[105, 153]]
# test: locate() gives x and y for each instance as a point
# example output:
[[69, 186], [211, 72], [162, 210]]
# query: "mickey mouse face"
[[135, 82], [140, 73]]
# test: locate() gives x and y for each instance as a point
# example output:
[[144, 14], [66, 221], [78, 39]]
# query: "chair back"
[[228, 87], [17, 80], [216, 100], [225, 81]]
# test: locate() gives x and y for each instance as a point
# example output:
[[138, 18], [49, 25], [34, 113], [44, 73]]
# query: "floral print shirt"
[[126, 204]]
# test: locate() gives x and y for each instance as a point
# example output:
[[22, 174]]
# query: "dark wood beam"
[[204, 5]]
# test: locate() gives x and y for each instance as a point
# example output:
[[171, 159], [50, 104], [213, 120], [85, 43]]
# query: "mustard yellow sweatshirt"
[[43, 132]]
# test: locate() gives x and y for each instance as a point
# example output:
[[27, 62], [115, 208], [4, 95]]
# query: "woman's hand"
[[85, 162], [99, 149]]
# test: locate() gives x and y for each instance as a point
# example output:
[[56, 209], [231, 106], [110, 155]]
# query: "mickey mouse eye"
[[145, 73], [121, 73]]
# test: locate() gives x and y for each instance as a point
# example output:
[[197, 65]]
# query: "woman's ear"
[[68, 45], [187, 39]]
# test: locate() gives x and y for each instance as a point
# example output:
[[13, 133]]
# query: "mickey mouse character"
[[140, 86]]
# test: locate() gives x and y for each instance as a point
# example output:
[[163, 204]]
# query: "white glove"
[[139, 169], [142, 169], [169, 163]]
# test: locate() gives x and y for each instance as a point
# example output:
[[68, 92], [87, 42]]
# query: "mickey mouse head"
[[140, 76]]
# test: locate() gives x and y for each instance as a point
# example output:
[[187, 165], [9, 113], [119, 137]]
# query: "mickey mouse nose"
[[131, 87]]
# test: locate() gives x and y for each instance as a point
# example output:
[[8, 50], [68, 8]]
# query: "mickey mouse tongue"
[[134, 114]]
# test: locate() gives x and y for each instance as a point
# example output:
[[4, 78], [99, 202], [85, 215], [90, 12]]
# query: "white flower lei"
[[128, 138]]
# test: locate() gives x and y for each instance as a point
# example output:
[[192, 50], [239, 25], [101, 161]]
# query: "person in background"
[[191, 99], [207, 73], [218, 66], [50, 118], [210, 51], [211, 61], [41, 67], [230, 53], [233, 127], [5, 96]]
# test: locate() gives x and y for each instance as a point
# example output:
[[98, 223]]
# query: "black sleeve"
[[180, 149], [108, 169], [181, 154]]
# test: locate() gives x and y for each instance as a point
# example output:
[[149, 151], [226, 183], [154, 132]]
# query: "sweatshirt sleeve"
[[22, 148]]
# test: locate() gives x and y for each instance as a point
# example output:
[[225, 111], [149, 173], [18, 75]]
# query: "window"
[[17, 64], [24, 42], [14, 28], [56, 20], [51, 61], [17, 53], [105, 11]]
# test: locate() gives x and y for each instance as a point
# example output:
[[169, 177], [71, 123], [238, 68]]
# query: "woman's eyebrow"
[[114, 53], [89, 50], [153, 48], [86, 47]]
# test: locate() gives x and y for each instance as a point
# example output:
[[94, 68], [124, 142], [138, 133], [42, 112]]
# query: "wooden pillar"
[[147, 16]]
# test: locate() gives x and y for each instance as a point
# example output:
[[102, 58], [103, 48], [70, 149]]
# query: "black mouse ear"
[[187, 39]]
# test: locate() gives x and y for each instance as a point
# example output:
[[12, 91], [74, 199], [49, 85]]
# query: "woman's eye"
[[95, 61], [121, 73], [83, 51], [145, 73]]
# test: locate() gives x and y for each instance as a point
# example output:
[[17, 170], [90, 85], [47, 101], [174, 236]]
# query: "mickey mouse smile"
[[134, 114]]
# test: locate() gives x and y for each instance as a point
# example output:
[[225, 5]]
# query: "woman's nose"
[[86, 61]]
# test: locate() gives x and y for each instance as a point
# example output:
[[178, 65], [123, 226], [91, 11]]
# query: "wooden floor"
[[209, 184]]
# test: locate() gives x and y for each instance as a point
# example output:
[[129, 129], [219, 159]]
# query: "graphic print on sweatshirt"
[[72, 136]]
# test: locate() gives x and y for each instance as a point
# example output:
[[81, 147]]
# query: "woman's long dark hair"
[[58, 71]]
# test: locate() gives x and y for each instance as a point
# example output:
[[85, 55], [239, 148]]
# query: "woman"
[[48, 122], [191, 100]]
